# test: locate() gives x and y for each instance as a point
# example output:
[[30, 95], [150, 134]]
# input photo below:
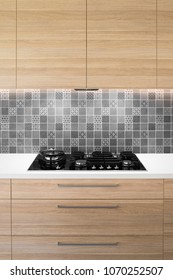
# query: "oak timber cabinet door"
[[7, 44], [51, 44], [165, 43], [5, 220], [121, 44]]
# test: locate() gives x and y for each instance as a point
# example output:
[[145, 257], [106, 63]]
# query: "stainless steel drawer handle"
[[88, 186], [87, 244], [88, 207]]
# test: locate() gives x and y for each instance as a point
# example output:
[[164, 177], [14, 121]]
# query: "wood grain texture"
[[87, 189], [121, 44], [129, 247], [165, 43], [168, 217], [5, 217], [4, 189], [8, 44], [168, 247], [168, 189], [5, 247], [51, 44], [43, 217]]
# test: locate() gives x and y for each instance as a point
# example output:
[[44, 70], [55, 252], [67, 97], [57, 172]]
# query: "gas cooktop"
[[53, 159]]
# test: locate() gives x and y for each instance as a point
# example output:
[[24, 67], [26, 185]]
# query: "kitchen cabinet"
[[165, 44], [87, 219], [121, 43], [7, 44], [168, 219], [51, 44], [5, 220]]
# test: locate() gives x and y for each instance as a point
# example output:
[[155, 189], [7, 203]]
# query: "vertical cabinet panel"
[[5, 220], [165, 43], [121, 42], [7, 43], [51, 44]]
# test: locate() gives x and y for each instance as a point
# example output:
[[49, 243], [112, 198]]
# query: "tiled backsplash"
[[116, 120]]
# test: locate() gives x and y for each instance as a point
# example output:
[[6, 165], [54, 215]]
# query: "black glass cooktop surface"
[[53, 159]]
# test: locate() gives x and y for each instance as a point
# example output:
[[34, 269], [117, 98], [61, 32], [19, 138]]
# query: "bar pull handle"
[[87, 206], [86, 89], [88, 186], [87, 244]]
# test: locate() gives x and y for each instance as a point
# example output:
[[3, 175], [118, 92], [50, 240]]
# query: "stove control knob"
[[58, 167], [93, 167], [108, 167], [116, 167], [101, 167]]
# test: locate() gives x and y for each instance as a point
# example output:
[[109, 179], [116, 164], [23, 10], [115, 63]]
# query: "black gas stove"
[[53, 159]]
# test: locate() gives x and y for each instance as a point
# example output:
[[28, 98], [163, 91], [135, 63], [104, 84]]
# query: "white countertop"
[[16, 166]]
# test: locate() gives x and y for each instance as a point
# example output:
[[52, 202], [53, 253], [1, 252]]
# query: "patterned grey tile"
[[90, 94], [51, 103], [82, 134], [105, 111], [128, 119], [137, 120], [75, 111]]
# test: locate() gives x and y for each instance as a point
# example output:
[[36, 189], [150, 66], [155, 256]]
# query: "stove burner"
[[52, 159]]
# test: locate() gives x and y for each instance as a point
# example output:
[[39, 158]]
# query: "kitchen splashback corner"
[[115, 120]]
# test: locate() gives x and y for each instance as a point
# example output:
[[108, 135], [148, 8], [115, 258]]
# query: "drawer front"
[[95, 247], [168, 247], [78, 217], [5, 247], [4, 189], [168, 217], [168, 189], [5, 220], [87, 189]]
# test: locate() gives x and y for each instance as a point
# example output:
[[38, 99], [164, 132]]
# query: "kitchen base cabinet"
[[5, 247], [5, 220], [168, 219], [168, 247], [87, 248], [87, 219], [87, 189], [96, 217]]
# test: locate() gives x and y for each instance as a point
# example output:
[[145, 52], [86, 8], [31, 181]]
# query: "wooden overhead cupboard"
[[51, 43], [86, 44], [165, 44], [7, 44], [121, 44]]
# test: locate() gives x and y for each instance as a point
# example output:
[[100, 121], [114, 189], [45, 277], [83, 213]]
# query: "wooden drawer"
[[168, 247], [95, 247], [168, 217], [4, 189], [5, 247], [168, 189], [5, 219], [81, 217], [87, 189]]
